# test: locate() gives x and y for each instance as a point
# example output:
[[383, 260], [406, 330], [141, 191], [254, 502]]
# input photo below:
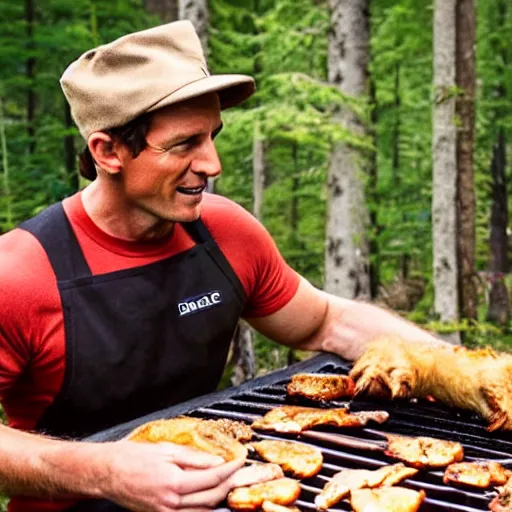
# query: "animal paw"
[[384, 370]]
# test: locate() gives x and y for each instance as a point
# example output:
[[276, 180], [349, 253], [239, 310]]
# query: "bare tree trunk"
[[446, 302], [466, 202], [69, 151], [166, 9], [6, 186], [373, 197], [197, 12], [30, 66], [243, 355], [499, 306], [395, 161], [259, 171], [346, 257]]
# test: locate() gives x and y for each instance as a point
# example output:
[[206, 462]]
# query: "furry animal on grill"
[[478, 380]]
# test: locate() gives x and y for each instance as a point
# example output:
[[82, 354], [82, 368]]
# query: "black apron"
[[140, 339]]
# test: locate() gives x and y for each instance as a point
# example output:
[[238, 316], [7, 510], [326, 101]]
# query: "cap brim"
[[232, 89]]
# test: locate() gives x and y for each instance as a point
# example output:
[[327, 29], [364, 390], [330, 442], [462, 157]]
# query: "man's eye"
[[185, 143]]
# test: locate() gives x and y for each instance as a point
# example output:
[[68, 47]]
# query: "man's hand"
[[165, 477]]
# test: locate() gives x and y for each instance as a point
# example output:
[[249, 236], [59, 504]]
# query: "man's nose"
[[207, 161]]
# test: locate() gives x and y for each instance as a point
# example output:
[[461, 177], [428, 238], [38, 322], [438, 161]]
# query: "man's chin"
[[189, 215]]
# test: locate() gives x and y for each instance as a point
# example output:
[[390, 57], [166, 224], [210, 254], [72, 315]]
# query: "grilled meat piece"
[[294, 419], [320, 386], [349, 480], [236, 429], [479, 380], [481, 474], [283, 491], [395, 473], [423, 452], [196, 433], [255, 473], [268, 506], [503, 502], [386, 499], [299, 459]]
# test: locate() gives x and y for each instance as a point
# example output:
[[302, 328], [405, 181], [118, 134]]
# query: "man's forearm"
[[350, 325], [34, 465]]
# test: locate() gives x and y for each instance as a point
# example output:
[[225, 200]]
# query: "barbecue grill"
[[352, 448]]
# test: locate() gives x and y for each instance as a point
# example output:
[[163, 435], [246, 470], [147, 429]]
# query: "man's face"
[[168, 178]]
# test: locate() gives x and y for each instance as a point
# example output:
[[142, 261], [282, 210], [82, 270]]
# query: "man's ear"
[[105, 152]]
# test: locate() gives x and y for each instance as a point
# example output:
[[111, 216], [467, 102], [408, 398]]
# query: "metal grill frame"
[[414, 419]]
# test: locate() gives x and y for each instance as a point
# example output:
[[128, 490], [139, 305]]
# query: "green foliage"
[[33, 149]]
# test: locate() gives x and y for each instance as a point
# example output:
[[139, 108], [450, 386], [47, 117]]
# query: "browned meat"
[[478, 380], [503, 502], [294, 419], [256, 473], [283, 491], [236, 429], [320, 387], [423, 452], [193, 432], [395, 473], [268, 506], [386, 499], [299, 459], [476, 474], [349, 480]]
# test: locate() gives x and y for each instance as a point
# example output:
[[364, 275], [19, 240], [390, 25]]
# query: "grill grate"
[[258, 396]]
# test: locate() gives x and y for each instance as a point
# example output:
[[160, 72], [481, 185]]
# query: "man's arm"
[[316, 320], [139, 476]]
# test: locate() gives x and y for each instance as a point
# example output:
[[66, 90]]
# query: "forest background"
[[280, 150]]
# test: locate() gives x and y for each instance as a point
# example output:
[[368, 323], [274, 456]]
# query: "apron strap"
[[200, 234], [53, 230]]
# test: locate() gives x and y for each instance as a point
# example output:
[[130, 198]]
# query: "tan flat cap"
[[141, 72]]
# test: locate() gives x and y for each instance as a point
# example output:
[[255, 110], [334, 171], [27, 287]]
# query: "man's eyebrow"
[[182, 137]]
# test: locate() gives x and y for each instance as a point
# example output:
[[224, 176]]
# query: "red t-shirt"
[[32, 343]]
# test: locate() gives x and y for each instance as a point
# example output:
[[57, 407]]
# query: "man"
[[123, 299]]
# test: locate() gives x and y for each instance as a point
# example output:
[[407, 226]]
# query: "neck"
[[114, 215]]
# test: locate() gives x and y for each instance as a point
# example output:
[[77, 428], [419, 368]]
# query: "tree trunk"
[[446, 303], [258, 173], [69, 151], [166, 9], [243, 355], [465, 109], [346, 256], [499, 307], [6, 186], [30, 66], [197, 12]]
